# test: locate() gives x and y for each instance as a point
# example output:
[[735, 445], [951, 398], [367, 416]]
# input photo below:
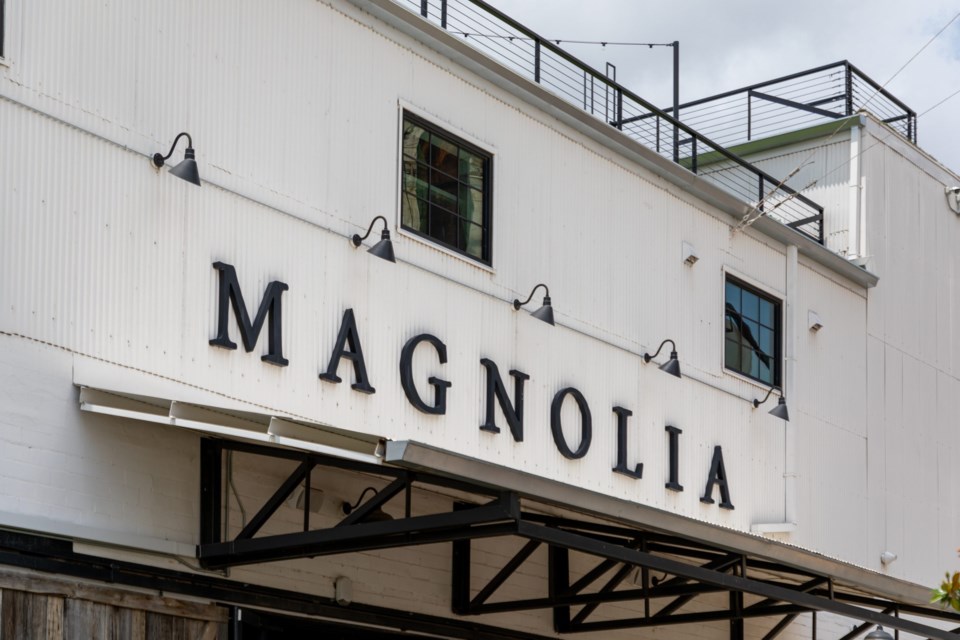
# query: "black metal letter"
[[636, 472], [718, 476], [349, 336], [512, 412], [674, 481], [406, 375], [229, 291], [586, 424]]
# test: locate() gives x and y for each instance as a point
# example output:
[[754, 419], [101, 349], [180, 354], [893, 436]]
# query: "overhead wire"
[[756, 211]]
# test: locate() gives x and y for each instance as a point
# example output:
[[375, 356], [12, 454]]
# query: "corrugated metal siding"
[[823, 176], [104, 256], [913, 365]]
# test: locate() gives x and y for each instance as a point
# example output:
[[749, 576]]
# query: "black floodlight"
[[878, 634], [187, 169], [545, 312], [377, 515], [779, 411], [671, 366], [384, 248]]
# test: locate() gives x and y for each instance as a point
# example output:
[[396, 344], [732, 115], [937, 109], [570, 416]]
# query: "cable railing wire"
[[697, 148]]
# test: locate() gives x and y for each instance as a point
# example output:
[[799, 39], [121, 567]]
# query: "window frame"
[[778, 335], [3, 26], [486, 259]]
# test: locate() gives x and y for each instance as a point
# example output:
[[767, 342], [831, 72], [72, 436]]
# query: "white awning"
[[232, 423]]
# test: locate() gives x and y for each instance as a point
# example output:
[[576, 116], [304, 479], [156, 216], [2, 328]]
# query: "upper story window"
[[752, 333], [446, 189]]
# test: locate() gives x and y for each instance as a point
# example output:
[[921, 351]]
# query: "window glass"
[[445, 189], [752, 333]]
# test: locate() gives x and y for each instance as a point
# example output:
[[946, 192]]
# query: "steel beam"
[[495, 519], [804, 601]]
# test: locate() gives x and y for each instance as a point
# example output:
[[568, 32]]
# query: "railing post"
[[424, 6], [749, 114], [584, 90], [848, 87], [443, 13], [693, 158], [536, 60], [658, 134], [761, 196], [620, 109], [676, 99]]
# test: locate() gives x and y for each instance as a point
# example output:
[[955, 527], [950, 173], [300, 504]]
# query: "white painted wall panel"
[[103, 256]]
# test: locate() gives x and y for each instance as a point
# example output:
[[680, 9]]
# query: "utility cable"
[[756, 212]]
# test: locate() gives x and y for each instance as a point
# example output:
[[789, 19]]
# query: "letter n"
[[229, 292], [513, 412]]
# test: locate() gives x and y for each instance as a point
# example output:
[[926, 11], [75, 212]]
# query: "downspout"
[[790, 337], [789, 388], [855, 220]]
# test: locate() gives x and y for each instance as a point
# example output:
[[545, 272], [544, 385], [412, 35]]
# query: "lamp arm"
[[673, 347], [516, 302], [357, 238], [350, 507], [158, 159], [757, 403]]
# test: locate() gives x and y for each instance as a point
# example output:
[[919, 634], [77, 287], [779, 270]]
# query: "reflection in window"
[[446, 189], [752, 333]]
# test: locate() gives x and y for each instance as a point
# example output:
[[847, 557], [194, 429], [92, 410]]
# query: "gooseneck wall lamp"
[[384, 248], [545, 312], [187, 169], [780, 411], [671, 366], [878, 634], [377, 515]]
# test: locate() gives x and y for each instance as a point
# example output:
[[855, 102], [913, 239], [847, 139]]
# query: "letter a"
[[349, 336]]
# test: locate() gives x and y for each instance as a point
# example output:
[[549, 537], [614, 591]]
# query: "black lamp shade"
[[187, 169], [878, 634], [672, 366], [384, 248], [378, 515], [545, 312], [780, 411]]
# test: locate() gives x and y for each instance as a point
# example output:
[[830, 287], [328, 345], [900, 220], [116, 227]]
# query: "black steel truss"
[[671, 571]]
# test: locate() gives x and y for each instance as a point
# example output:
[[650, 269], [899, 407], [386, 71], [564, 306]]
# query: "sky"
[[733, 43]]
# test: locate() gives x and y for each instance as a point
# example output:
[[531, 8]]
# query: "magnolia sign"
[[349, 347]]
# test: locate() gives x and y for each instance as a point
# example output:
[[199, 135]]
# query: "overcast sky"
[[732, 43]]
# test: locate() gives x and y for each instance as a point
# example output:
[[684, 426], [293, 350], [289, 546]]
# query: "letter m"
[[229, 291]]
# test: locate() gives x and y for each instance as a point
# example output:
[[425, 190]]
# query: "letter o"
[[586, 424]]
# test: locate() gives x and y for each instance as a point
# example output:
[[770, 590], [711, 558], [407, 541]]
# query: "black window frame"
[[3, 23], [777, 329], [486, 191]]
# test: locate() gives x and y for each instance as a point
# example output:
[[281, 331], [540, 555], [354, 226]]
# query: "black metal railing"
[[527, 53], [793, 102]]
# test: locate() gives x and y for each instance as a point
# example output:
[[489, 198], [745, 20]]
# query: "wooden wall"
[[40, 608]]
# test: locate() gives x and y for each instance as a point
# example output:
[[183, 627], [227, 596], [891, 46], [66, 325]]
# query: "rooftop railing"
[[793, 102], [544, 62]]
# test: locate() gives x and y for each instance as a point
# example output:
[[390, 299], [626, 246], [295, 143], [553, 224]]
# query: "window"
[[446, 189], [752, 333]]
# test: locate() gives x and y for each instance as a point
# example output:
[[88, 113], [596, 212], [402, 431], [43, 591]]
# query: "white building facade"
[[195, 381]]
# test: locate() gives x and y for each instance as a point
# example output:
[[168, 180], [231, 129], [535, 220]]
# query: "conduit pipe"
[[855, 220], [792, 320], [790, 385]]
